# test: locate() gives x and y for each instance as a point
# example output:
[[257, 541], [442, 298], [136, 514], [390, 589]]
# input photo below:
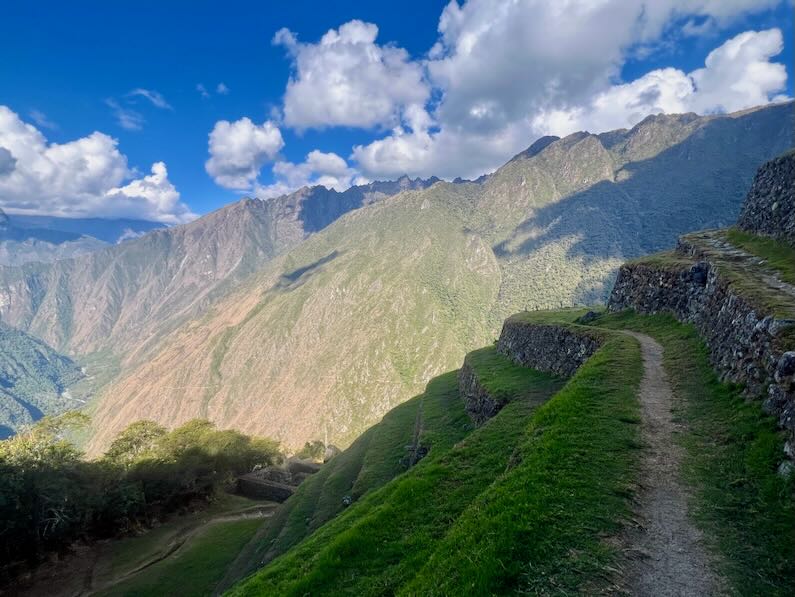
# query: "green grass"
[[666, 260], [778, 255], [538, 528], [521, 502], [745, 508], [130, 553], [196, 568], [504, 381], [371, 461]]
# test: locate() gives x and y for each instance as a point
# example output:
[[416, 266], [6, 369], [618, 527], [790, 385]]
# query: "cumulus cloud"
[[202, 90], [503, 73], [347, 79], [239, 150], [222, 89], [319, 168], [736, 75], [506, 73], [81, 178]]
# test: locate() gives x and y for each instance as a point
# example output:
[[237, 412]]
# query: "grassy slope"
[[197, 568], [733, 450], [463, 520], [370, 462], [538, 527], [778, 255]]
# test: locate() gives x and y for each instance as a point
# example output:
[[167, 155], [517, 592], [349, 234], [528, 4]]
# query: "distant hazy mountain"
[[109, 231], [25, 239], [324, 339], [34, 380]]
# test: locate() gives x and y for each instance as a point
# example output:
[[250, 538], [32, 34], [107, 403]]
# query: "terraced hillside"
[[323, 341], [645, 474], [545, 495]]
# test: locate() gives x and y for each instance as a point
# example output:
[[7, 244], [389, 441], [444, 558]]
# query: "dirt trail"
[[665, 551]]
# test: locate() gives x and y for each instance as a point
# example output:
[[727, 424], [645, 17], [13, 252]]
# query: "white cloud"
[[222, 89], [152, 197], [41, 119], [503, 73], [81, 178], [202, 90], [155, 97], [128, 119], [319, 168], [239, 150], [736, 75], [507, 72], [347, 79]]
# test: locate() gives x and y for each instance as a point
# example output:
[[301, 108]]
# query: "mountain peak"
[[3, 220]]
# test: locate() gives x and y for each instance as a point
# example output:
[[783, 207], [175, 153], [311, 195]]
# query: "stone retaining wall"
[[745, 346], [558, 349], [770, 206], [554, 349], [479, 404]]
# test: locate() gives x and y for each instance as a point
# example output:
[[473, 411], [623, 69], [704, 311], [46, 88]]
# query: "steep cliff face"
[[770, 206]]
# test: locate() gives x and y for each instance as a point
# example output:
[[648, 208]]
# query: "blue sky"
[[69, 68]]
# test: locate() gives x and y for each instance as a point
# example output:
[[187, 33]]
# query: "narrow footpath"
[[666, 556]]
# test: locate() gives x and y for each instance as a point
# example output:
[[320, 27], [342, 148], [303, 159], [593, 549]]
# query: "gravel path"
[[665, 551]]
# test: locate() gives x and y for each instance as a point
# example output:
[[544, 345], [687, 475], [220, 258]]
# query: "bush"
[[50, 496]]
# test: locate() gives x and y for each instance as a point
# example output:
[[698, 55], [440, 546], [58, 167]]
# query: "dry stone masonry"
[[745, 345], [770, 206], [558, 349], [748, 344]]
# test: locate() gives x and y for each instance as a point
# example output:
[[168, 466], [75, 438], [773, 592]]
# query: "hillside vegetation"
[[34, 381], [50, 497], [514, 495], [397, 292]]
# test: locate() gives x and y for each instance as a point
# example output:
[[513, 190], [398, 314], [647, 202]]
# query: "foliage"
[[746, 509], [50, 496], [313, 450], [34, 380]]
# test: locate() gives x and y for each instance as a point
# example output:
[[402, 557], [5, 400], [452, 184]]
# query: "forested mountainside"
[[322, 341], [34, 380], [129, 293]]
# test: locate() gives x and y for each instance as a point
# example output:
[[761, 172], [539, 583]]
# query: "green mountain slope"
[[34, 380], [516, 487], [324, 340]]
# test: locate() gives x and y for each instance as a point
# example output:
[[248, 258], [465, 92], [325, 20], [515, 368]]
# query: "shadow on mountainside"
[[613, 219], [299, 276]]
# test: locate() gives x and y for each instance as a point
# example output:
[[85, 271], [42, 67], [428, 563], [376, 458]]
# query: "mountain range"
[[311, 315], [32, 238]]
